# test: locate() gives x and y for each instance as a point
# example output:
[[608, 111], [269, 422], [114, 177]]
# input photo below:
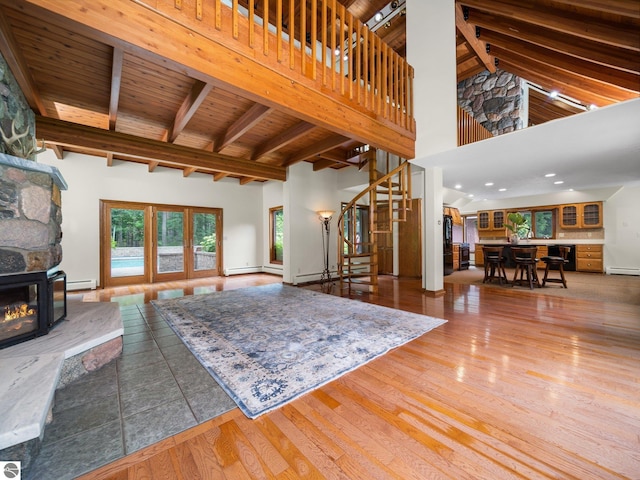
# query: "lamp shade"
[[325, 214]]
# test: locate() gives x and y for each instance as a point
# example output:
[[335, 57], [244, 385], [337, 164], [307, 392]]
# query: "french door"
[[147, 243]]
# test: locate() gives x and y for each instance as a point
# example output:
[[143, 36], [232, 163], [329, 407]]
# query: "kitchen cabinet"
[[589, 258], [479, 256], [491, 221], [581, 215], [456, 256], [543, 251]]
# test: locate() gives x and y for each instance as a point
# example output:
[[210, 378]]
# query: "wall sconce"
[[325, 217]]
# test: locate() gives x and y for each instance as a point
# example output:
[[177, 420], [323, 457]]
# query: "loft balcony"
[[201, 85]]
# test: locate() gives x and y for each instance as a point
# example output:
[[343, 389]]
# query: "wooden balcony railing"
[[469, 130], [341, 56]]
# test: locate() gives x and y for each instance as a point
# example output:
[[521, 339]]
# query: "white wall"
[[90, 180], [304, 193], [622, 228]]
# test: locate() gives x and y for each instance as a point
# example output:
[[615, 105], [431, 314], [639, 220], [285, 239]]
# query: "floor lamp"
[[325, 218]]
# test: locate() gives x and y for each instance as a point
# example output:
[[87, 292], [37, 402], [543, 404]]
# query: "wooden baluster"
[[265, 27], [314, 39], [279, 30], [333, 44], [303, 37], [234, 19], [251, 22], [292, 34], [324, 42], [218, 15]]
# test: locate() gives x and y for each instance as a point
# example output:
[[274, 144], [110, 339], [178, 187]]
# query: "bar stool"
[[494, 263], [556, 263], [526, 264]]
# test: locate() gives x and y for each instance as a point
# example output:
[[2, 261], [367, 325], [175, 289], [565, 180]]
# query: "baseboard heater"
[[82, 285], [240, 270], [623, 271]]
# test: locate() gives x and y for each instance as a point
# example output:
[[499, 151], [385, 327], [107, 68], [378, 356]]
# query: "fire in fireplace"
[[30, 305]]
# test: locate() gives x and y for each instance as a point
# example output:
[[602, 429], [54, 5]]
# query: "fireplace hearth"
[[31, 304]]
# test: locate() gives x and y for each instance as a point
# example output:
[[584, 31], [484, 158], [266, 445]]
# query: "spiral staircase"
[[386, 201]]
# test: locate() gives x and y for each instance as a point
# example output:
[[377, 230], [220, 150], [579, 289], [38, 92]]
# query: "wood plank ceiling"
[[587, 50]]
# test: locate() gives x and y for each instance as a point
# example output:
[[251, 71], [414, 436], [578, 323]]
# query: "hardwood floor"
[[515, 385]]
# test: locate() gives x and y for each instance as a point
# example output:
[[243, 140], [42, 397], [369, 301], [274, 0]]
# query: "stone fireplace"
[[32, 290]]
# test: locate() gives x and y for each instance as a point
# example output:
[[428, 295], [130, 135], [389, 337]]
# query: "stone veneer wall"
[[30, 221], [30, 200], [14, 110], [494, 100]]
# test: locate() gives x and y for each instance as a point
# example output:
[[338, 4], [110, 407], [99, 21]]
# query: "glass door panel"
[[169, 244], [205, 242], [125, 255]]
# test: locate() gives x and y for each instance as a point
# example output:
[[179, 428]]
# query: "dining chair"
[[494, 264], [556, 263], [526, 265]]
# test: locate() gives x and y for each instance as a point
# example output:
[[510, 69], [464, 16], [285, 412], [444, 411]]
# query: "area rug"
[[268, 345]]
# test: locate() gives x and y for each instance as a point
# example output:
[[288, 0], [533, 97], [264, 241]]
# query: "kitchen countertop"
[[549, 241]]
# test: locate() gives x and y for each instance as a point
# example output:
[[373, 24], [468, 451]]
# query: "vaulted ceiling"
[[588, 50]]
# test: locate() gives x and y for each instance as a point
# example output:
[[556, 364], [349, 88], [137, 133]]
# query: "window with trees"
[[276, 242], [541, 222]]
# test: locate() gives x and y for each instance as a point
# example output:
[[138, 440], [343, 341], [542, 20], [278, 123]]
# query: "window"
[[276, 238], [361, 228], [541, 222]]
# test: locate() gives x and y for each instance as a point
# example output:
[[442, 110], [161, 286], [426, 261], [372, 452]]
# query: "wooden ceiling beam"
[[188, 171], [592, 89], [323, 163], [70, 134], [320, 147], [219, 176], [58, 151], [624, 8], [281, 140], [247, 121], [560, 42], [611, 76], [109, 159], [116, 80], [580, 26], [245, 180], [153, 166], [468, 31], [197, 94], [19, 68], [548, 82]]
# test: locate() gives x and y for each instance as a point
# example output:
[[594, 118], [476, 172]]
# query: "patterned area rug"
[[268, 345]]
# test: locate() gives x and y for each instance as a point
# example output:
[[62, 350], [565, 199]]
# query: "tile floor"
[[155, 389]]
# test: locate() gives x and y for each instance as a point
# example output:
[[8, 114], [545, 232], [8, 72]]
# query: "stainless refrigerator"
[[447, 244]]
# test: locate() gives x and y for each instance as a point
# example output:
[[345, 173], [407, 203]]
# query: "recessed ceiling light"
[[470, 195], [558, 182], [458, 186], [502, 189], [488, 184], [336, 52], [378, 16], [553, 93], [550, 175], [593, 107]]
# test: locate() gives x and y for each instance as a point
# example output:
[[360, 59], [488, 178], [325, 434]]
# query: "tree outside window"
[[276, 237]]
